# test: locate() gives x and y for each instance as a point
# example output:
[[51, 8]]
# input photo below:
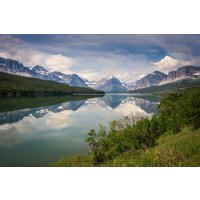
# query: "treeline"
[[131, 138], [16, 86]]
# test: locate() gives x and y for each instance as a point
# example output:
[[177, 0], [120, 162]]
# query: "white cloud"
[[77, 58], [27, 57], [17, 132], [90, 64], [4, 54], [57, 120], [168, 64], [59, 63], [142, 75], [100, 65], [17, 49], [130, 108], [31, 58]]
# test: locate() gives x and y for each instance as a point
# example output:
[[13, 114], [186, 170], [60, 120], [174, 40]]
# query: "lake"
[[38, 131]]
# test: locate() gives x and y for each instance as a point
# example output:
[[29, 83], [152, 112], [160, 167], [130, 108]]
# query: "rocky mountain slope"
[[150, 79], [110, 84], [17, 86], [159, 78], [17, 68]]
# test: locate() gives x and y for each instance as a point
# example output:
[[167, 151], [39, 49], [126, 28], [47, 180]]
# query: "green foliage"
[[155, 141], [95, 142], [179, 110], [190, 107], [13, 85], [121, 137], [180, 150], [169, 113], [175, 112], [73, 161]]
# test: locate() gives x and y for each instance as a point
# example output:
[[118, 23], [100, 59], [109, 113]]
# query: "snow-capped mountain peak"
[[110, 77], [110, 84], [14, 67], [40, 70], [92, 84]]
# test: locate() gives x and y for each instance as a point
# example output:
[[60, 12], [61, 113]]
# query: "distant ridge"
[[109, 84], [17, 68], [169, 87], [14, 85], [159, 78]]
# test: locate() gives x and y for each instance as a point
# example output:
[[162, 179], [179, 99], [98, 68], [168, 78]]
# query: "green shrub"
[[136, 141], [108, 146], [179, 110], [175, 112]]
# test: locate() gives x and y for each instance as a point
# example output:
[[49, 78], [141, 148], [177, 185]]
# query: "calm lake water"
[[35, 135]]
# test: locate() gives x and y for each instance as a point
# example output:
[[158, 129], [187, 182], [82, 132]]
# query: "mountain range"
[[159, 78], [14, 67], [109, 84]]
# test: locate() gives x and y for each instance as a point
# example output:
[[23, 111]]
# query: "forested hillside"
[[13, 85]]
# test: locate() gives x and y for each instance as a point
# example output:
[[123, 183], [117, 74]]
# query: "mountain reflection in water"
[[111, 102], [59, 130]]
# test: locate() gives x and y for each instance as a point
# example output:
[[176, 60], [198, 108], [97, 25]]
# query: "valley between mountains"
[[184, 74]]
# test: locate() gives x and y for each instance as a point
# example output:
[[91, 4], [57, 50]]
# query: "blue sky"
[[127, 57]]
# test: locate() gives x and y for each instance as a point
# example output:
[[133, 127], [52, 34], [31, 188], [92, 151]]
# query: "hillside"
[[182, 149], [169, 87], [171, 137], [39, 72], [158, 78], [13, 85]]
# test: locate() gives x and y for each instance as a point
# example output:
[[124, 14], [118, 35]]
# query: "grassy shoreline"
[[170, 138], [180, 150]]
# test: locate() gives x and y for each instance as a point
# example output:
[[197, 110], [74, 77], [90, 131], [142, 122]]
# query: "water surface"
[[35, 135]]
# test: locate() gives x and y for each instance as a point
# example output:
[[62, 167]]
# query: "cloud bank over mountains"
[[169, 64], [96, 56]]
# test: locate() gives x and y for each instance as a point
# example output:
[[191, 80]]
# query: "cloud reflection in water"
[[72, 118]]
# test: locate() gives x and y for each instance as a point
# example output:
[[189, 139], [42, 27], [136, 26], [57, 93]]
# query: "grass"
[[182, 149], [13, 85], [170, 137], [73, 161]]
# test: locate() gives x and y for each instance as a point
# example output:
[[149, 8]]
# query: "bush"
[[179, 110], [108, 146], [175, 112]]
